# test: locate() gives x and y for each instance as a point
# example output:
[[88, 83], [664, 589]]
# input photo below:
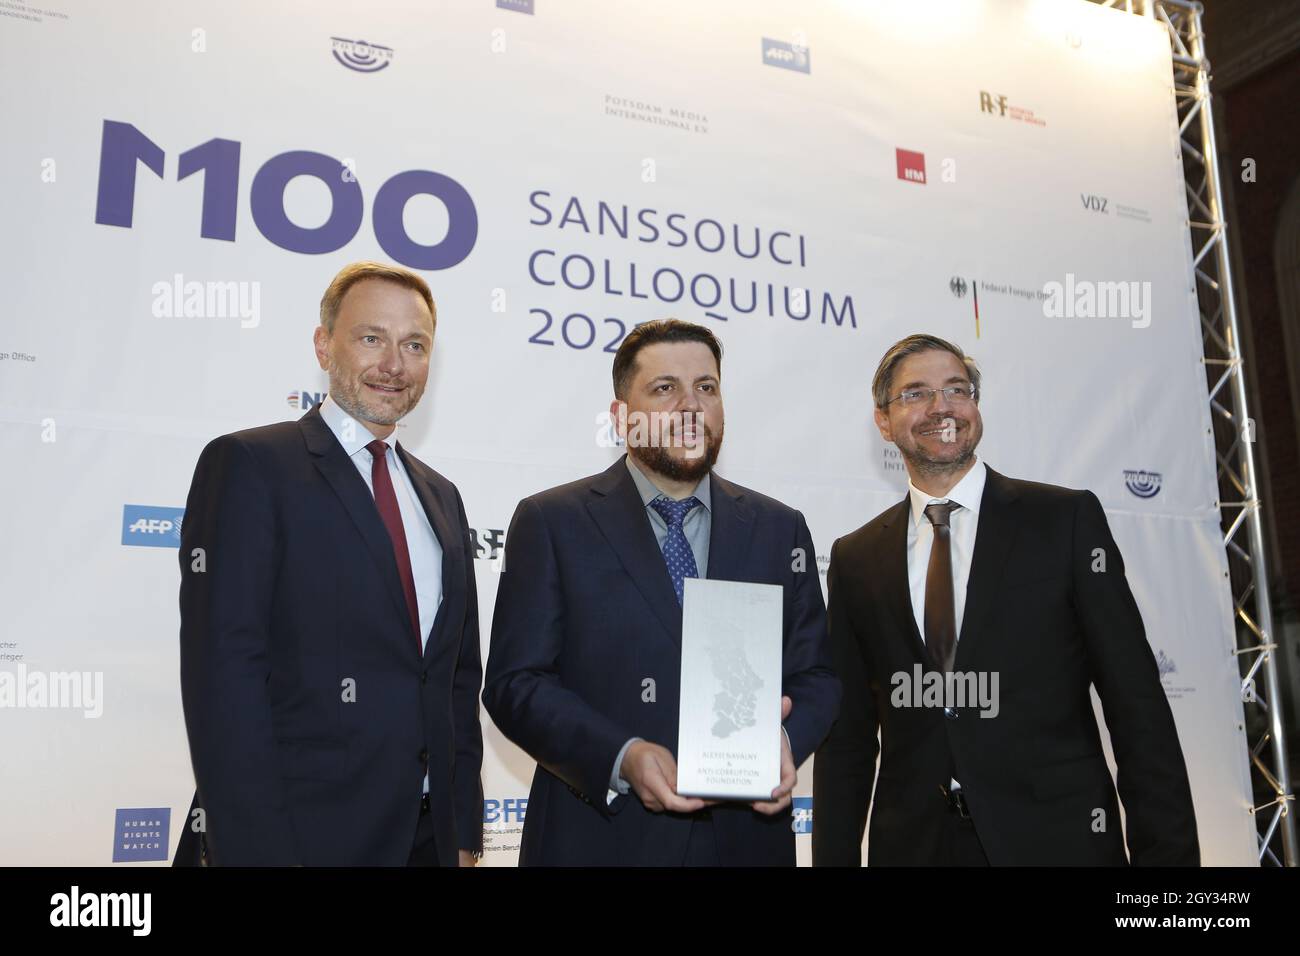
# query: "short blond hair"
[[351, 274]]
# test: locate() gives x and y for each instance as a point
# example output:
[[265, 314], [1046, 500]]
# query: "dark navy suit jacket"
[[299, 600], [586, 613]]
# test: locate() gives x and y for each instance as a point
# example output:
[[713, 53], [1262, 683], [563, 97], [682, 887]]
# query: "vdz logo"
[[361, 56], [488, 542], [786, 55], [911, 165], [519, 6], [304, 400], [141, 835], [1144, 484], [149, 526], [957, 286], [509, 810], [1093, 203], [802, 811]]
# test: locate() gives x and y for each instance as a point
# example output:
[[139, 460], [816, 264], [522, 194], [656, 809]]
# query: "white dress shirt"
[[963, 522], [421, 542]]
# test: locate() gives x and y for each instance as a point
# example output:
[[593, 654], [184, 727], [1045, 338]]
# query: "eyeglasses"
[[957, 394]]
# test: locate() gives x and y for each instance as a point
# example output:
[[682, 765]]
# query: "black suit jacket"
[[1034, 776], [298, 597], [585, 613]]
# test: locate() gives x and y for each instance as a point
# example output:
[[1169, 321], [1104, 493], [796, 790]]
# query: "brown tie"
[[940, 616]]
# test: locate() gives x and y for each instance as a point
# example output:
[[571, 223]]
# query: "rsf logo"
[[488, 542], [151, 526]]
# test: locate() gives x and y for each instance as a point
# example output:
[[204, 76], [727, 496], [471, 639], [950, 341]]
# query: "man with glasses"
[[967, 624]]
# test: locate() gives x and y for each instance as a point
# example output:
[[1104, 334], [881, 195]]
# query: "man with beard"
[[584, 668], [975, 580], [329, 620]]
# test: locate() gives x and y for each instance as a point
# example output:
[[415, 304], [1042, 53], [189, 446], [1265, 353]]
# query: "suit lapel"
[[895, 583], [334, 465], [993, 541], [618, 511], [443, 527], [732, 526]]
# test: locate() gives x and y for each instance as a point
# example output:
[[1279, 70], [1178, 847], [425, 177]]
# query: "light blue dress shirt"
[[421, 542]]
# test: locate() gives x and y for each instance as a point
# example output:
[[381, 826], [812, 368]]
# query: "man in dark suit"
[[1007, 600], [329, 622], [584, 667]]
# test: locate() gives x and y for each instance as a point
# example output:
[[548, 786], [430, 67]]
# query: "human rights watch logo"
[[361, 56], [1144, 484]]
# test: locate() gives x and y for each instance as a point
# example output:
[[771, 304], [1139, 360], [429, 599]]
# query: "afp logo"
[[1144, 484], [150, 526], [786, 55], [361, 56]]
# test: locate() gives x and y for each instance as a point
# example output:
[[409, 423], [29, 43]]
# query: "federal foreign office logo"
[[801, 821], [958, 287], [788, 56], [519, 6], [361, 56], [1144, 484], [141, 835], [151, 526]]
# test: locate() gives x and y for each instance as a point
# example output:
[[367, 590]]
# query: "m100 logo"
[[124, 147]]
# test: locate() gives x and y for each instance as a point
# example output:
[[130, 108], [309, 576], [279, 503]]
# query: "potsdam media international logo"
[[519, 6], [911, 165], [802, 815], [140, 835], [1144, 484], [304, 400], [788, 56], [151, 526], [361, 56], [1165, 664]]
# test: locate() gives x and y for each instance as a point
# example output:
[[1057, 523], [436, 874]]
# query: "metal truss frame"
[[1234, 430]]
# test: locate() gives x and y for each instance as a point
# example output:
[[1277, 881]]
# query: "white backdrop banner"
[[811, 180]]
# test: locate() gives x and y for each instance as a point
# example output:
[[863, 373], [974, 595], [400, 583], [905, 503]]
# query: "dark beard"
[[657, 459]]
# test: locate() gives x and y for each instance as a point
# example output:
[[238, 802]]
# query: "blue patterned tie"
[[677, 550]]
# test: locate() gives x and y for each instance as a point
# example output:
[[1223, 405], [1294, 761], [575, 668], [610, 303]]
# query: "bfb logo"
[[802, 811], [151, 527], [304, 400], [509, 810], [1144, 484]]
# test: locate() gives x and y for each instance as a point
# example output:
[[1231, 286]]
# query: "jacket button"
[[424, 755], [424, 677]]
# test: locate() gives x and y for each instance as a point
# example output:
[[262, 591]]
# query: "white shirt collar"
[[968, 492], [336, 418]]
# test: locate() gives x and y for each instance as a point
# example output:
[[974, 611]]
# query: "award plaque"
[[729, 729]]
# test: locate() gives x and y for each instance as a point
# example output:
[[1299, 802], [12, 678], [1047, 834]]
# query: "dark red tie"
[[386, 499], [940, 610]]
